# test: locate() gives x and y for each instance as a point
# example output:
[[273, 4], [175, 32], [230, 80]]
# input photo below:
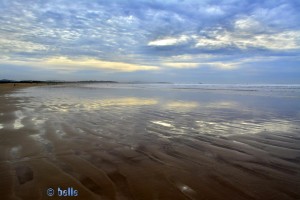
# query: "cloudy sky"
[[188, 41]]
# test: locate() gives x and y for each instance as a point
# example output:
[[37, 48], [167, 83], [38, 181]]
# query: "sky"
[[184, 41]]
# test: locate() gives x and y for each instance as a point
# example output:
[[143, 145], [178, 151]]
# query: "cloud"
[[224, 65], [213, 64], [286, 40], [181, 65], [129, 36], [168, 41], [64, 63], [248, 25], [13, 45]]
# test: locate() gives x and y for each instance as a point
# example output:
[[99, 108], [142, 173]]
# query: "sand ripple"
[[145, 151]]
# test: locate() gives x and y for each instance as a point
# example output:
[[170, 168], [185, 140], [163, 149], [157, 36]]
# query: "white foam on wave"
[[1, 126], [17, 123]]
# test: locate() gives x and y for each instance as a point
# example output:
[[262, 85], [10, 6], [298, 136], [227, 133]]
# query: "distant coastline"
[[52, 81], [88, 81], [9, 85]]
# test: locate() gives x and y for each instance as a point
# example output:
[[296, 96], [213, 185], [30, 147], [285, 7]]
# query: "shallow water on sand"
[[152, 141]]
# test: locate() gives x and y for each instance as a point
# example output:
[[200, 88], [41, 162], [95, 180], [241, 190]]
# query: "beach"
[[139, 141]]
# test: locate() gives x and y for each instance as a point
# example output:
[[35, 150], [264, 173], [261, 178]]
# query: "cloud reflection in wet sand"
[[181, 105], [90, 105], [221, 104], [237, 127]]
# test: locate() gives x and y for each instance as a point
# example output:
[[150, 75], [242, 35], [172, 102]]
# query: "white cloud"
[[248, 25], [279, 41], [247, 33], [169, 41], [221, 65], [122, 20], [14, 45], [181, 65], [224, 65], [286, 40], [214, 10], [213, 64]]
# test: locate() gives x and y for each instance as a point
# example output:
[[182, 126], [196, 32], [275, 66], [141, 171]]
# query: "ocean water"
[[160, 141]]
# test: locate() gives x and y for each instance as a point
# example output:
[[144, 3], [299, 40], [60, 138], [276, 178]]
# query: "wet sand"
[[9, 87], [114, 152]]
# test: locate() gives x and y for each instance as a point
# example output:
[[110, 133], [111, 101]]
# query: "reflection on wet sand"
[[182, 105], [157, 147], [162, 123], [129, 101], [236, 127], [222, 104], [89, 105]]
